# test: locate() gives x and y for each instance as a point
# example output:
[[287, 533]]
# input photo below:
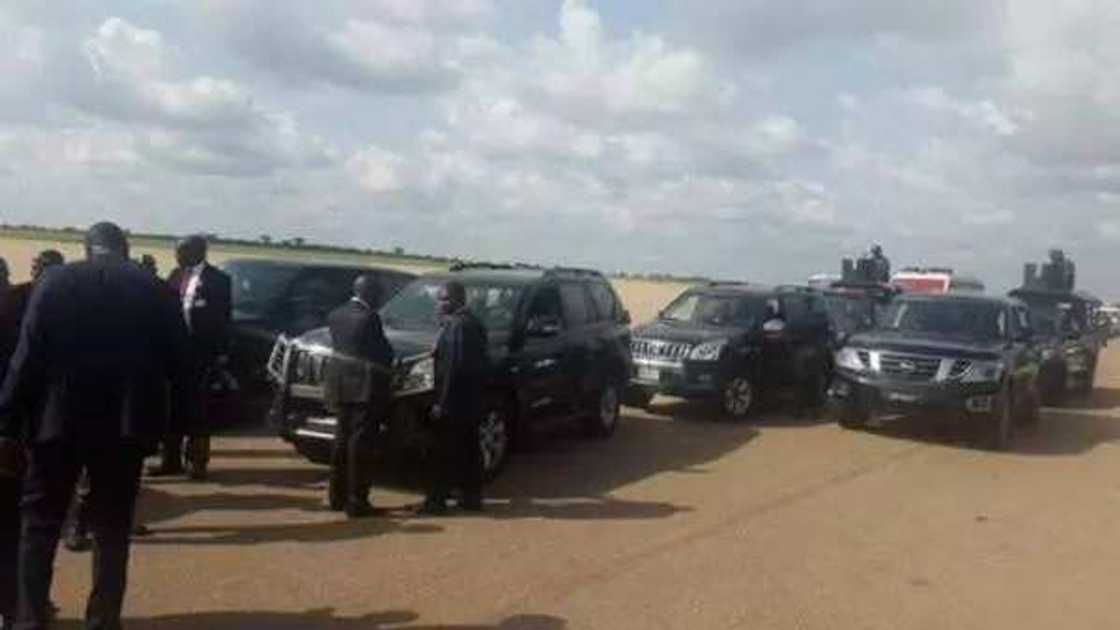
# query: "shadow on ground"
[[774, 414], [1102, 398], [1059, 432], [324, 619]]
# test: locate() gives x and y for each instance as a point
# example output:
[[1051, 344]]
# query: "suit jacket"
[[358, 340], [210, 313], [12, 307], [461, 365], [102, 349]]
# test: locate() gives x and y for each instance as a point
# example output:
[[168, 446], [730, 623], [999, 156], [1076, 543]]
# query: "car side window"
[[577, 307], [311, 297], [546, 305], [795, 309], [606, 304]]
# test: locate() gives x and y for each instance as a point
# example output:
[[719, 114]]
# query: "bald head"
[[45, 260], [367, 290], [106, 240], [452, 297], [5, 275], [191, 251]]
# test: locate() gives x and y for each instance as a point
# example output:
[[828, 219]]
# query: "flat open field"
[[679, 521], [643, 298]]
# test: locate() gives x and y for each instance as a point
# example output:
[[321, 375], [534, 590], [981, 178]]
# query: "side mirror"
[[774, 329], [544, 326]]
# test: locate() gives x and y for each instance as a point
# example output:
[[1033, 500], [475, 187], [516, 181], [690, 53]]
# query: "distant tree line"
[[267, 241]]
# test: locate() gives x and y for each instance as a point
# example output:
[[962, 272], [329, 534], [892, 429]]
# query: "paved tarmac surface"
[[679, 521]]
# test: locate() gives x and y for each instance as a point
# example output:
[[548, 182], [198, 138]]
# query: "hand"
[[12, 458]]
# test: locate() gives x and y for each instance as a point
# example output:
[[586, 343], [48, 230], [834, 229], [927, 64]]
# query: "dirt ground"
[[678, 521]]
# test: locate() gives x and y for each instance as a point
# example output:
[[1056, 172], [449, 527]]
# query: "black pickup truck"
[[559, 350], [970, 356]]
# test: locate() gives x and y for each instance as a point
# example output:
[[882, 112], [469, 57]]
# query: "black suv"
[[559, 350], [734, 341], [968, 355], [272, 297], [1066, 325]]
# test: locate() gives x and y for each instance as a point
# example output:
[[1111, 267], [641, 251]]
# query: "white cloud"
[[377, 170]]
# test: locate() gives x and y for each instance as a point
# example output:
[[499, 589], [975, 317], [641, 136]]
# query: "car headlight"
[[708, 351], [1048, 354], [984, 372], [421, 376], [848, 359]]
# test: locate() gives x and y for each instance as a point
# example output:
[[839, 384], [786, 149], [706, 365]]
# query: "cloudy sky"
[[737, 138]]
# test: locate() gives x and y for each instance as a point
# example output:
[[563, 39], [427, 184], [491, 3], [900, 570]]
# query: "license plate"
[[647, 373], [901, 397]]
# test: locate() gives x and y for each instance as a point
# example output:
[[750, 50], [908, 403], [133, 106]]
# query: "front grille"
[[308, 368], [910, 367], [663, 350]]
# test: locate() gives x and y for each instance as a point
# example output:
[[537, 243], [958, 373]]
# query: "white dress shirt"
[[194, 280]]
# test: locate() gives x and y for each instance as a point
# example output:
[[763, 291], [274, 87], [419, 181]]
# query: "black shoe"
[[471, 504], [431, 507], [362, 510], [140, 531], [78, 541], [164, 470]]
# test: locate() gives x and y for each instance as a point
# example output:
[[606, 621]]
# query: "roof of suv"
[[514, 274], [958, 297], [750, 288], [295, 264]]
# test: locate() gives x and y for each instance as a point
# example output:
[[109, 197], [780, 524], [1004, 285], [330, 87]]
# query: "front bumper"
[[684, 379], [876, 394]]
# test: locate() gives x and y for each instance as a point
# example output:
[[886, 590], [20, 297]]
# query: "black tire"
[[995, 430], [1085, 387], [638, 397], [1055, 391], [739, 397], [816, 388], [495, 438], [1032, 409], [852, 416], [602, 420]]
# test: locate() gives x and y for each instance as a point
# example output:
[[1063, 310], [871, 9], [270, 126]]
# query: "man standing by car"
[[205, 293], [101, 347], [460, 371], [357, 390]]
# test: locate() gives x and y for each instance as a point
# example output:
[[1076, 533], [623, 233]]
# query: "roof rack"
[[794, 288], [462, 265], [573, 271], [727, 283]]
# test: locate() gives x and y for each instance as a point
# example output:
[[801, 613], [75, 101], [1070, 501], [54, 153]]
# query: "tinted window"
[[716, 310], [795, 308], [415, 305], [258, 288], [577, 309], [606, 304], [313, 296], [953, 318]]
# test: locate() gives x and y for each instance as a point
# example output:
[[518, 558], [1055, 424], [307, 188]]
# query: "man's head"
[[452, 297], [106, 240], [191, 251], [5, 275], [367, 290], [876, 250], [45, 260], [148, 262]]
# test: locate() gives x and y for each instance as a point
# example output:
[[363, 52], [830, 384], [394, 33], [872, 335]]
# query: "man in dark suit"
[[357, 391], [461, 364], [206, 296], [15, 300], [101, 357]]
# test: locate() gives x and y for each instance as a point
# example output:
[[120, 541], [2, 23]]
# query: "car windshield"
[[971, 319], [849, 313], [494, 304], [716, 310], [257, 287]]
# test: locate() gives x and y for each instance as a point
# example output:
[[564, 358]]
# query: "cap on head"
[[367, 289], [106, 239], [191, 251]]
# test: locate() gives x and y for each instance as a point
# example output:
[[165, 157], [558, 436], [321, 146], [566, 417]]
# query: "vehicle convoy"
[[273, 297], [969, 356], [1068, 325], [935, 281], [737, 342], [559, 350]]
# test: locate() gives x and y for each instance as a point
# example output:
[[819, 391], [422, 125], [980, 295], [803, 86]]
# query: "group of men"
[[358, 388], [102, 362]]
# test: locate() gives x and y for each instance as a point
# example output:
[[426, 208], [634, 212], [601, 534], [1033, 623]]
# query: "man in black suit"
[[15, 300], [357, 391], [102, 356], [206, 296], [461, 364]]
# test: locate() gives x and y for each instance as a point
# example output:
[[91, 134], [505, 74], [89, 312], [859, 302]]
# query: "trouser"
[[192, 452], [10, 490], [456, 462], [114, 476], [351, 454]]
